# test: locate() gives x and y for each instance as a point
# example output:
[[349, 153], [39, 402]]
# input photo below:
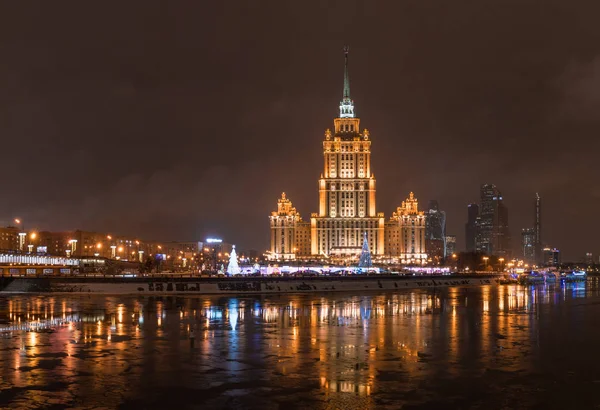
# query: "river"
[[488, 347]]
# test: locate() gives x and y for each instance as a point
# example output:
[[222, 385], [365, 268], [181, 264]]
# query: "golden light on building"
[[405, 233], [347, 204], [290, 235]]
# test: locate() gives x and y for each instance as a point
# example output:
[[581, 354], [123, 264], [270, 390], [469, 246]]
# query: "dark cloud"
[[178, 120]]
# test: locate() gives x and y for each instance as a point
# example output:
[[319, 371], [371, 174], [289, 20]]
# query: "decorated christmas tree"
[[233, 268], [365, 254]]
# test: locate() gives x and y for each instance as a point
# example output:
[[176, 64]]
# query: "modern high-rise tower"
[[528, 245], [537, 228], [347, 207], [435, 231], [493, 235], [485, 227]]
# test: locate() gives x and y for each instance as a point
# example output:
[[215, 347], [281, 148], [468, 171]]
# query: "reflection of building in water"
[[353, 338], [362, 389], [37, 323]]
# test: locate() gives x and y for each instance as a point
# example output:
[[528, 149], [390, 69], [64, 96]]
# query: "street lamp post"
[[32, 237], [485, 261]]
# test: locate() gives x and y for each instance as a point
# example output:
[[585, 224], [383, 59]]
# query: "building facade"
[[550, 256], [435, 232], [492, 235], [347, 215], [406, 233], [347, 202], [487, 209], [290, 235], [9, 238], [528, 245], [450, 246], [537, 228]]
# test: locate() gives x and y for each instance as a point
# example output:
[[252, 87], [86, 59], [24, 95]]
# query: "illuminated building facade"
[[405, 233], [485, 225], [9, 238], [347, 207], [435, 232], [551, 256], [537, 227], [290, 235], [528, 245], [492, 232], [450, 246]]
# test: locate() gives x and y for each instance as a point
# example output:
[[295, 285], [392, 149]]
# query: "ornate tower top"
[[285, 208], [347, 105], [410, 206]]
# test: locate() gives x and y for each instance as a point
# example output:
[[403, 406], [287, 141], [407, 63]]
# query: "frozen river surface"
[[500, 347]]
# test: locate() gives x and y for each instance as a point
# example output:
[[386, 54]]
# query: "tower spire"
[[347, 105], [346, 76]]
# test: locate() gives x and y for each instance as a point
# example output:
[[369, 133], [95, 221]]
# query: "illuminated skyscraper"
[[537, 228], [493, 236], [485, 225], [450, 246], [435, 231], [528, 245], [348, 220], [500, 233], [347, 207]]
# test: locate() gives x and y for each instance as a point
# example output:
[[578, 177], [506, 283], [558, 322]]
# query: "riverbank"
[[251, 285]]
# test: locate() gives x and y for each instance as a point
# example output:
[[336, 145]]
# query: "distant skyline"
[[182, 122]]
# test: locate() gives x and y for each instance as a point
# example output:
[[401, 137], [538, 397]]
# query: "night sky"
[[177, 121]]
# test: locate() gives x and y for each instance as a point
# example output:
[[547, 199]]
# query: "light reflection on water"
[[313, 351]]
